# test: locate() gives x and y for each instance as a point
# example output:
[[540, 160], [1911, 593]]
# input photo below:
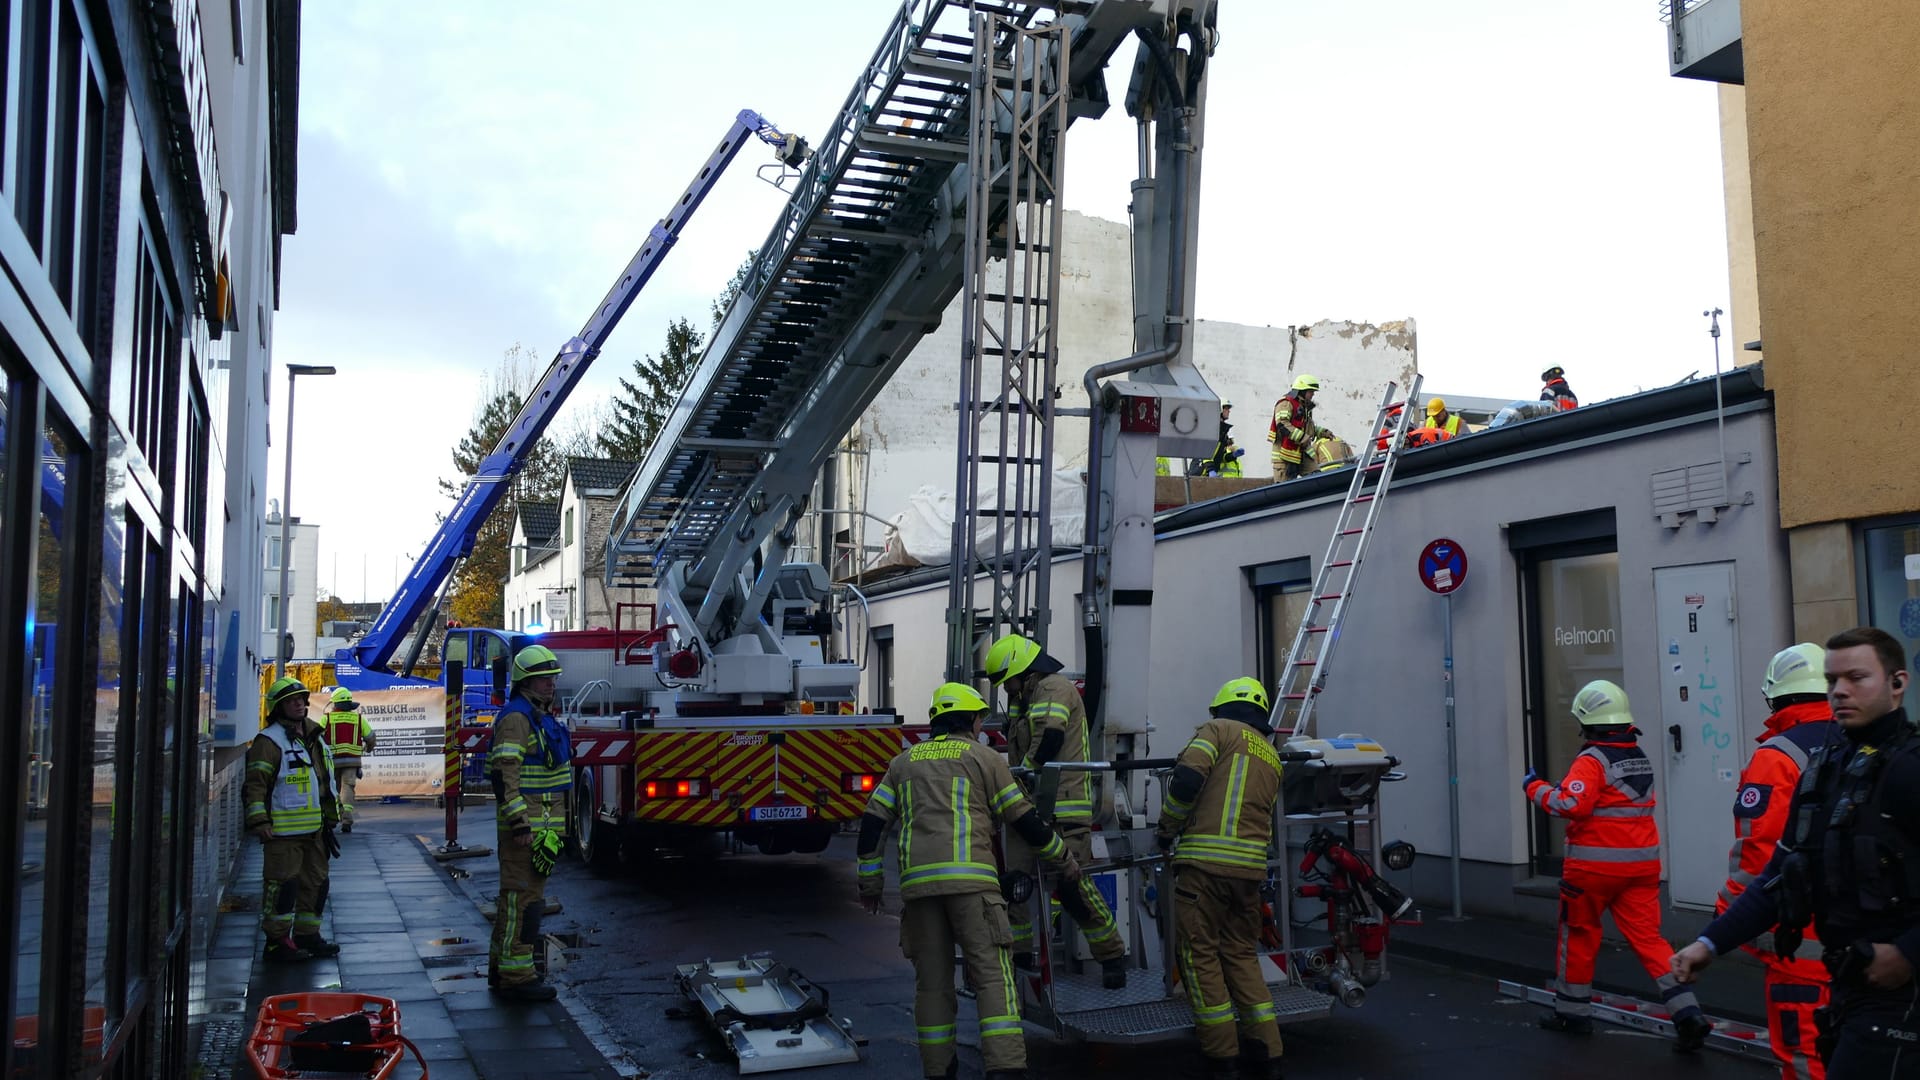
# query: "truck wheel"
[[598, 841]]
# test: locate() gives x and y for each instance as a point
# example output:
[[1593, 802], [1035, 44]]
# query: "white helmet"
[[1601, 703], [1797, 669]]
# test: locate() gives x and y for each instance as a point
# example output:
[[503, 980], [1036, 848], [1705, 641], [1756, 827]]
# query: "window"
[[519, 558], [235, 16], [273, 553], [882, 692], [272, 625], [1280, 594], [567, 535], [1891, 567]]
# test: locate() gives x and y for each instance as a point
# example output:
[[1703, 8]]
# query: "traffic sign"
[[1443, 566]]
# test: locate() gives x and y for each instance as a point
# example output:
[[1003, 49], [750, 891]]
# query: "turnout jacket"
[[297, 799], [946, 793], [1054, 705], [1607, 801], [1223, 827], [529, 785]]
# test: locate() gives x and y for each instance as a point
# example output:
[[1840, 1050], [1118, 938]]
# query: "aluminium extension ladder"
[[1304, 675]]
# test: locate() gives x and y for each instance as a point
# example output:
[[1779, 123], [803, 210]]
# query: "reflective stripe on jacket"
[[292, 790], [1291, 430], [1226, 828], [529, 790], [1607, 800], [1760, 803], [1054, 705], [946, 793], [348, 733]]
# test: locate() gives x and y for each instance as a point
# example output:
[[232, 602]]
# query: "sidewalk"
[[1524, 952], [408, 932]]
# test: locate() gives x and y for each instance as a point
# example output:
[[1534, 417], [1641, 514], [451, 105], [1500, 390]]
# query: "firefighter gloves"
[[331, 842], [546, 851]]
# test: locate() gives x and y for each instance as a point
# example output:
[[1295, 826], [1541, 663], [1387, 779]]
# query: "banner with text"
[[409, 742]]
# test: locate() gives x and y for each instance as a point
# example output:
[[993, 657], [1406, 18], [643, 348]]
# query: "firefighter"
[[1612, 864], [1047, 721], [1439, 417], [946, 793], [1795, 687], [1556, 391], [1225, 459], [349, 736], [1292, 429], [529, 762], [1216, 818], [1848, 861], [291, 808]]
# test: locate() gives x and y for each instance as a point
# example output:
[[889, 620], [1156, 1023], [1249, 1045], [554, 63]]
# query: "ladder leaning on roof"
[[1304, 675]]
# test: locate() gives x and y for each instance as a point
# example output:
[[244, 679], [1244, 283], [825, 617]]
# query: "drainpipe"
[[1175, 335]]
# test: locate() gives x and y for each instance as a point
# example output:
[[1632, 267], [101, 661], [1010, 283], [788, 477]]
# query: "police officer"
[[1217, 818], [946, 793], [1850, 861], [349, 736], [1795, 687], [1047, 721], [291, 809], [1612, 864], [529, 763]]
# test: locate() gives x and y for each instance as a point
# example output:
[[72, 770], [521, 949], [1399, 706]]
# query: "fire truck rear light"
[[860, 783], [691, 788]]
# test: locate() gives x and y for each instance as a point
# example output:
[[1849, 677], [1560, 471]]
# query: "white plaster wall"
[[1386, 677], [911, 428]]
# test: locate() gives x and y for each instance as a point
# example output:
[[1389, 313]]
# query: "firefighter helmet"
[[1010, 656], [285, 689], [342, 696], [955, 698], [533, 662], [1552, 373], [1601, 703], [1306, 382], [1797, 669], [1241, 689]]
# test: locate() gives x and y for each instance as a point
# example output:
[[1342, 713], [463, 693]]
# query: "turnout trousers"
[[1082, 899], [294, 869], [516, 914], [346, 780], [1217, 942], [930, 928], [1634, 901]]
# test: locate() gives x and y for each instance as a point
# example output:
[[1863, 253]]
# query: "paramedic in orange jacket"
[[1612, 864], [1796, 690]]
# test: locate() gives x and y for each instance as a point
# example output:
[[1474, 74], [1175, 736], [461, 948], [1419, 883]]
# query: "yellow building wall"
[[1833, 137]]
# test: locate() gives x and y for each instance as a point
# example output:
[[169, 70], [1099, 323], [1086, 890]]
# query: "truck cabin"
[[484, 659]]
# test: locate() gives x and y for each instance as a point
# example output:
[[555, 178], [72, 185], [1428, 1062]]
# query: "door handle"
[[1674, 730]]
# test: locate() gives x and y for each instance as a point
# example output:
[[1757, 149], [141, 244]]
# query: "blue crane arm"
[[454, 539]]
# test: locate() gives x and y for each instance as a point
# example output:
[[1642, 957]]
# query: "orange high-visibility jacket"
[[1760, 808], [1607, 799]]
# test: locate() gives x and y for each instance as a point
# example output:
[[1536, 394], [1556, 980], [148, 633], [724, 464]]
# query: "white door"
[[1698, 724]]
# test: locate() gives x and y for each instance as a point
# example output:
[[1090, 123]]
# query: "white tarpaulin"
[[922, 534]]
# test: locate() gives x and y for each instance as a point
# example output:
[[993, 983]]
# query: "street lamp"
[[294, 371]]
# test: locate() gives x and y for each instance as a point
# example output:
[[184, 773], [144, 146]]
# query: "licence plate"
[[778, 813]]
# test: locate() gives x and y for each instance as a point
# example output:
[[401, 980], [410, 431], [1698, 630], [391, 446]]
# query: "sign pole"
[[1453, 759], [454, 674]]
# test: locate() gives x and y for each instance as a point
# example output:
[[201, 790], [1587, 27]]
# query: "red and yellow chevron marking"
[[742, 769]]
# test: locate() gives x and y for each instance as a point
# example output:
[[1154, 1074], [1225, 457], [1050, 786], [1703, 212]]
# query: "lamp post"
[[294, 371]]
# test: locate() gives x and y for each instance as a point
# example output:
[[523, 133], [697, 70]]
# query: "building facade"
[[303, 589], [149, 176], [1822, 167], [1608, 542], [557, 571]]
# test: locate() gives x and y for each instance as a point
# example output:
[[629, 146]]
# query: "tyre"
[[598, 841]]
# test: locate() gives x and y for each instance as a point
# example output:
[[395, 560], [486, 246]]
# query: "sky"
[[1526, 181]]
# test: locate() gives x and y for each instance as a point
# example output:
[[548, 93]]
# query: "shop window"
[[1891, 567], [118, 893]]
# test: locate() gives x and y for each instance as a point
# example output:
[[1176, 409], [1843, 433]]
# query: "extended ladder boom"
[[454, 539]]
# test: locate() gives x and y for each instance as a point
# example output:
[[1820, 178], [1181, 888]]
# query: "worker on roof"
[[1427, 435], [290, 807], [1047, 721], [1612, 864], [1389, 423], [1795, 687], [1292, 429], [529, 760], [350, 737], [1216, 817], [1439, 417], [1225, 459], [946, 793], [1555, 389]]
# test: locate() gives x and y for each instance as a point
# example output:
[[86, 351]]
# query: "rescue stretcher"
[[329, 1034]]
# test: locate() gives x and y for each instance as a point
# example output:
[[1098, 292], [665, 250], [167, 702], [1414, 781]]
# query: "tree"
[[646, 399]]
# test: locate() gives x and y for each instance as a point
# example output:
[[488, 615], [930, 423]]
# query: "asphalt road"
[[633, 926]]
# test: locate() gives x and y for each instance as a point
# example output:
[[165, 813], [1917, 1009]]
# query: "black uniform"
[[1851, 860]]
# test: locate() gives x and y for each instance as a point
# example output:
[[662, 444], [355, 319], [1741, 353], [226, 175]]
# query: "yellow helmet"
[[1306, 382], [1797, 669], [1436, 406], [1241, 689], [342, 696], [953, 698], [284, 689], [1601, 703], [1010, 656], [534, 660]]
